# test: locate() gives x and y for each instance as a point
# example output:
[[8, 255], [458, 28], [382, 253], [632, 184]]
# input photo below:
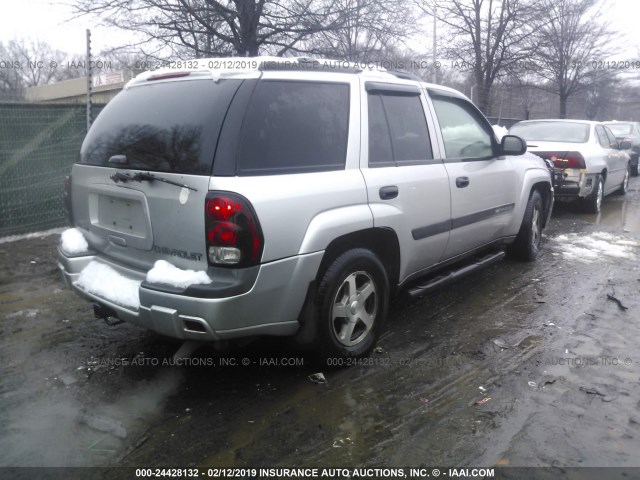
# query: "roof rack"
[[403, 74], [308, 63]]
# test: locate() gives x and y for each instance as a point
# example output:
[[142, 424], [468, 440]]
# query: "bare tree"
[[599, 94], [11, 82], [188, 28], [370, 32], [486, 37], [570, 40], [526, 88], [39, 63]]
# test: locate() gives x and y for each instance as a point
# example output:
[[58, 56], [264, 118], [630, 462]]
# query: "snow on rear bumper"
[[270, 307]]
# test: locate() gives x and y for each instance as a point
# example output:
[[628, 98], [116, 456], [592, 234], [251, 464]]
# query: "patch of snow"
[[27, 236], [595, 247], [499, 131], [73, 241], [165, 272], [104, 281], [30, 313]]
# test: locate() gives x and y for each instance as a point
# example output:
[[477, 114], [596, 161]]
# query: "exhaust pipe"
[[107, 314]]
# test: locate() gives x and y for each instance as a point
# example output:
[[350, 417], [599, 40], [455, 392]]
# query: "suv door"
[[483, 185], [407, 184]]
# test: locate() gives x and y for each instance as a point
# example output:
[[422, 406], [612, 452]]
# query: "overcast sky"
[[50, 21]]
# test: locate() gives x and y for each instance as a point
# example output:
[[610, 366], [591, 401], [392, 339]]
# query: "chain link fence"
[[38, 145]]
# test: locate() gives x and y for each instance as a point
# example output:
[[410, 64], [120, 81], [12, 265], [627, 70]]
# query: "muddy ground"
[[519, 365]]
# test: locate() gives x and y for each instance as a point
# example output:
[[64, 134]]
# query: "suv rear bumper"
[[178, 315]]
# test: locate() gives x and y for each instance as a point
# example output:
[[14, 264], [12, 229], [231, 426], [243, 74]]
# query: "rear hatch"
[[138, 190]]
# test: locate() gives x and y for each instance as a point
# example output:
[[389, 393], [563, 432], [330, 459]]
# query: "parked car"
[[589, 162], [290, 197], [628, 132]]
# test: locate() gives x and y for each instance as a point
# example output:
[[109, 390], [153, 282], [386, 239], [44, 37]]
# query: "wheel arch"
[[383, 242], [544, 188]]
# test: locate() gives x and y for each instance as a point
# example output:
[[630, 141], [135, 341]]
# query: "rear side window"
[[398, 132], [602, 137], [163, 127], [294, 127]]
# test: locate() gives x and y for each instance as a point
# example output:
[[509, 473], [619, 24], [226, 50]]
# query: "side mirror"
[[626, 145], [513, 145]]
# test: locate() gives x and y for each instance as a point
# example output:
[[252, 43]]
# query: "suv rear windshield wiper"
[[150, 177], [146, 177]]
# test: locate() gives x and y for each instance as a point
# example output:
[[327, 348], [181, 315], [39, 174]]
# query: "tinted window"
[[294, 127], [397, 129], [570, 132], [463, 133], [164, 127], [380, 152]]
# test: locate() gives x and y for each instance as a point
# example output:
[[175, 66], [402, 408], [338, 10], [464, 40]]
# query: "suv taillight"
[[67, 198], [234, 236], [564, 159]]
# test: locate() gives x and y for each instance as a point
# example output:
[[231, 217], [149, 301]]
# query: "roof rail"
[[403, 74], [308, 63]]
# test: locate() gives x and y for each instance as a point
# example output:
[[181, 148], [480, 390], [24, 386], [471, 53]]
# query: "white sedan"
[[589, 162]]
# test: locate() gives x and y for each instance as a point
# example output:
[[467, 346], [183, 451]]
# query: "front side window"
[[295, 127], [464, 135], [398, 132]]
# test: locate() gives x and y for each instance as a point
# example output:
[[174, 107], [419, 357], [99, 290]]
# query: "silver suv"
[[290, 197]]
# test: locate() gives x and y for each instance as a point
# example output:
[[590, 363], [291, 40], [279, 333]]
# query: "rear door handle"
[[462, 182], [387, 193]]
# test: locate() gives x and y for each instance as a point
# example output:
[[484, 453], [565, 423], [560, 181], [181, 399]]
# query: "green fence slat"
[[38, 145]]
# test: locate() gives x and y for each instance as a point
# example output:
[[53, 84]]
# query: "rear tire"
[[624, 187], [527, 244], [593, 203], [351, 302]]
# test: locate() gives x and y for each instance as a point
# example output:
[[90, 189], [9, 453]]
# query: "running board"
[[453, 275]]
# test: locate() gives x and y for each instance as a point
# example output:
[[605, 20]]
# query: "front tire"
[[352, 302], [527, 244]]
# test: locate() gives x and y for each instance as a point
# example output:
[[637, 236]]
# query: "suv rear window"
[[163, 127], [295, 127]]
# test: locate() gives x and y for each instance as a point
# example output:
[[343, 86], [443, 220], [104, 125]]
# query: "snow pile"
[[164, 272], [73, 241], [597, 246], [104, 281], [499, 131]]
